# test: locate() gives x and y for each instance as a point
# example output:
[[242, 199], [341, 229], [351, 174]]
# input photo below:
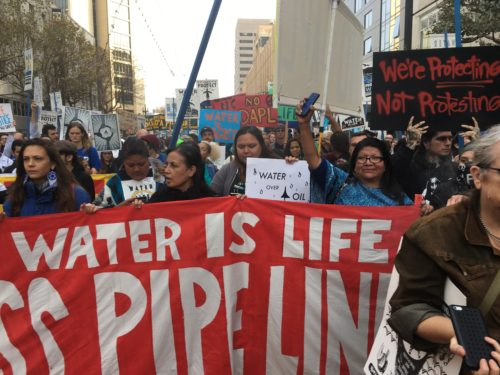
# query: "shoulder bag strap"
[[491, 295]]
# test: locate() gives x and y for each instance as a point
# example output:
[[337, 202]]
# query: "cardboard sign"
[[208, 286], [225, 124], [6, 119], [76, 114], [56, 104], [390, 353], [277, 180], [255, 110], [28, 69], [444, 87], [46, 117], [106, 132], [38, 92]]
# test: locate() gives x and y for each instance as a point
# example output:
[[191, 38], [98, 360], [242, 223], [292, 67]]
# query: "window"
[[358, 4], [246, 48], [246, 55], [368, 19], [246, 62], [245, 69], [395, 33], [367, 48], [246, 41]]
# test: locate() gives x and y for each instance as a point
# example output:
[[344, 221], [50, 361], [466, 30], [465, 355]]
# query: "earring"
[[52, 178]]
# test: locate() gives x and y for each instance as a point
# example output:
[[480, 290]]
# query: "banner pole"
[[194, 71]]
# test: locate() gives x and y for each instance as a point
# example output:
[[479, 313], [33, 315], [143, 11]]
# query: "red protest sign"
[[255, 110], [196, 287]]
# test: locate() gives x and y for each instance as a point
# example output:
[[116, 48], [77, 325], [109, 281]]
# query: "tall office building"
[[246, 31], [113, 34], [260, 76]]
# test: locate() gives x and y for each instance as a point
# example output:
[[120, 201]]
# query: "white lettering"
[[214, 231], [291, 248], [137, 228], [239, 219], [312, 321], [338, 227], [162, 242], [82, 245], [367, 252], [111, 233]]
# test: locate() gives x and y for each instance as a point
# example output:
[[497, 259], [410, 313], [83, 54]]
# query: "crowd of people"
[[456, 188]]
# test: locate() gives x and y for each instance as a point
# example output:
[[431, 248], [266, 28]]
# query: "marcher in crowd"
[[210, 169], [43, 185], [424, 166], [230, 180], [107, 163], [17, 144], [280, 141], [459, 242], [207, 134], [77, 134], [134, 179], [153, 144], [184, 173], [294, 148], [370, 181], [50, 131], [67, 151]]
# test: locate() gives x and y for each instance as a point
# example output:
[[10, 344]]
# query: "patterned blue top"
[[329, 184]]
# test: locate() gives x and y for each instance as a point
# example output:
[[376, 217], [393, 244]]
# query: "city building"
[[246, 31], [260, 75], [113, 34]]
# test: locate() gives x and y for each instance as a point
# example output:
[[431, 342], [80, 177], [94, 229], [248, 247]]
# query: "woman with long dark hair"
[[43, 184], [370, 181], [184, 172], [248, 143]]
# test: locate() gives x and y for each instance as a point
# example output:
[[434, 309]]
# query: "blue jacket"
[[36, 203]]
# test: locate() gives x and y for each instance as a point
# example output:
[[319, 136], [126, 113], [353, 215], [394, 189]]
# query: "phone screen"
[[309, 102]]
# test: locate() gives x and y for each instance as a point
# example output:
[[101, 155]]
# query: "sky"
[[178, 27]]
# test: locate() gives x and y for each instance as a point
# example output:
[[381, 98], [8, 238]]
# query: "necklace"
[[488, 231]]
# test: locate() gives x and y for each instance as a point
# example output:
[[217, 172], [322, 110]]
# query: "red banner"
[[255, 109], [196, 287]]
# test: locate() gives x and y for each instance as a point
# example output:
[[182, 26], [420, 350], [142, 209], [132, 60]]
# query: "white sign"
[[208, 89], [56, 101], [139, 189], [6, 119], [390, 353], [193, 108], [277, 180], [28, 69], [47, 117], [170, 109], [106, 132], [76, 114], [38, 92]]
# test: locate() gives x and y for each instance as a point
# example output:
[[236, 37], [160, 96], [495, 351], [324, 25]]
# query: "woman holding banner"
[[460, 242], [369, 182], [248, 143], [77, 134], [43, 185]]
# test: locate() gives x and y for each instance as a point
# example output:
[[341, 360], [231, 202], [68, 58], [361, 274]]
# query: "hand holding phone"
[[470, 331], [306, 107]]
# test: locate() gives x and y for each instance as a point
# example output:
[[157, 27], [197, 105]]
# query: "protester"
[[153, 144], [68, 153], [358, 137], [135, 175], [184, 172], [424, 165], [108, 164], [43, 185], [77, 134], [3, 141], [16, 146], [462, 243], [210, 169], [294, 148], [339, 155], [280, 141], [249, 143], [207, 134], [370, 181], [50, 131]]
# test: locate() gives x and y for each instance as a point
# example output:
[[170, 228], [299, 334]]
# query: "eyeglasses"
[[492, 168], [443, 138], [371, 159]]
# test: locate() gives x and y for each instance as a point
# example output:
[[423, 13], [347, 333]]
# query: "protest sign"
[[444, 87], [255, 110], [277, 180], [193, 108], [128, 122], [28, 69], [6, 119], [46, 118], [208, 89], [80, 115], [214, 286], [106, 132], [225, 124], [139, 189], [38, 92], [170, 109], [390, 354], [56, 104]]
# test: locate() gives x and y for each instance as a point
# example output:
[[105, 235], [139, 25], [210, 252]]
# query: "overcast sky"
[[178, 27]]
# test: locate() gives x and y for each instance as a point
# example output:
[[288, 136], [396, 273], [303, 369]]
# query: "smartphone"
[[470, 331], [309, 103]]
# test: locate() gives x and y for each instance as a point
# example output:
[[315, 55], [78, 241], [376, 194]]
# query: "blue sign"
[[224, 124]]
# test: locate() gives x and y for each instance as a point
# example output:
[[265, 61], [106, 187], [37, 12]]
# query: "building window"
[[246, 55], [246, 41], [389, 25], [246, 48], [358, 4], [367, 47], [245, 69], [368, 19], [246, 62]]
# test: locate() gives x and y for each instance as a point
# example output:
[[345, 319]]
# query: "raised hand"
[[473, 132], [414, 133]]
